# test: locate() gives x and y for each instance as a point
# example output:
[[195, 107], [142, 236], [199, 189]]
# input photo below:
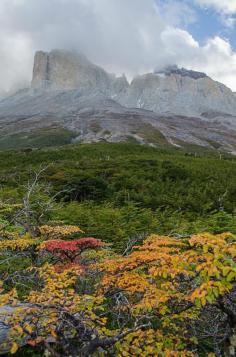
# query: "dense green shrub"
[[116, 191]]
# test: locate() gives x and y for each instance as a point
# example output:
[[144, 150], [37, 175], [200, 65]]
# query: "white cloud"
[[15, 60], [217, 59], [226, 10], [228, 21], [129, 36], [176, 12], [227, 6]]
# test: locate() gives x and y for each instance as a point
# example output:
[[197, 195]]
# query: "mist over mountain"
[[131, 36], [72, 96]]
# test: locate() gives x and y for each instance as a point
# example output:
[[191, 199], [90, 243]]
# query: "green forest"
[[117, 191]]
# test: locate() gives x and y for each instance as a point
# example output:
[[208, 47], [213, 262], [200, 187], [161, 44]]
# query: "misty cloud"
[[131, 36]]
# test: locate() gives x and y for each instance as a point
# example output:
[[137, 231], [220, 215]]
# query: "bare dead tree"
[[133, 241], [221, 200], [27, 210], [35, 208]]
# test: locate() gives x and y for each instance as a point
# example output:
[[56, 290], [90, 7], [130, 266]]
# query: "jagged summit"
[[183, 72]]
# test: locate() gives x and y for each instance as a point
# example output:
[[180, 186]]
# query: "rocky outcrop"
[[179, 94], [183, 72], [63, 70]]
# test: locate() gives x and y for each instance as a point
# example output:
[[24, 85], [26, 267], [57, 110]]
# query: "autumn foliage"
[[143, 304], [56, 232], [70, 250]]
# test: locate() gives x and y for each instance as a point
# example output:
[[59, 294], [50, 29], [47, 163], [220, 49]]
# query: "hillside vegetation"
[[116, 191], [117, 250]]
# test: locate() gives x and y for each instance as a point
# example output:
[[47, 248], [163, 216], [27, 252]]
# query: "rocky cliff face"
[[172, 106], [62, 70], [168, 91], [179, 94]]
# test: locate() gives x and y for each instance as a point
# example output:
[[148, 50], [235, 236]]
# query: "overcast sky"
[[124, 36]]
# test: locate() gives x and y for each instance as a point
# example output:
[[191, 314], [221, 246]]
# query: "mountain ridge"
[[174, 106], [171, 90]]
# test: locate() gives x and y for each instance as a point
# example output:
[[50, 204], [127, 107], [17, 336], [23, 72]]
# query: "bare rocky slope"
[[71, 99]]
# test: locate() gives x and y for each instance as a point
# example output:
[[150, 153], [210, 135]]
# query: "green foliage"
[[38, 138], [217, 223], [112, 224], [27, 352], [117, 191]]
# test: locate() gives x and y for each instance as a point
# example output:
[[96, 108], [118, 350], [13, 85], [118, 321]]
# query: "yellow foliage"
[[14, 348], [161, 260], [167, 275], [151, 343], [8, 298], [166, 280], [59, 231], [21, 243]]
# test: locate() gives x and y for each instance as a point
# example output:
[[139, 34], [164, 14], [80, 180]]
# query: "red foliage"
[[74, 245], [71, 249], [60, 267], [89, 243]]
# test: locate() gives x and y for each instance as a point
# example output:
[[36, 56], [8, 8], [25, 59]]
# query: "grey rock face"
[[62, 70], [95, 118], [174, 106], [177, 94], [41, 71], [168, 91]]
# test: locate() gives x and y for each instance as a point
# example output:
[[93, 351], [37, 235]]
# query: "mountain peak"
[[180, 91], [174, 69], [173, 105], [61, 70]]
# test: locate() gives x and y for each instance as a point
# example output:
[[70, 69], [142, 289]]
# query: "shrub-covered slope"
[[116, 191]]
